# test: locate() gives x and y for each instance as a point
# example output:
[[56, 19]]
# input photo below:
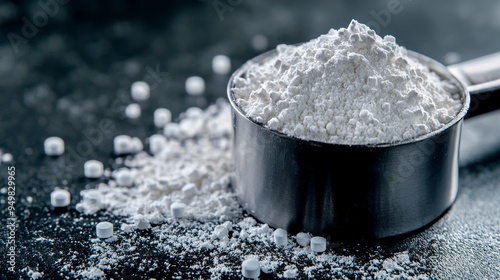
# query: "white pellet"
[[280, 237], [259, 42], [93, 169], [177, 209], [104, 230], [60, 198], [189, 189], [140, 91], [53, 146], [133, 111], [318, 244], [221, 64], [195, 85], [122, 144], [156, 143], [124, 177], [250, 268], [162, 116], [6, 158], [303, 239]]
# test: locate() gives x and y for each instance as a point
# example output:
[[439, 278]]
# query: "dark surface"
[[77, 70]]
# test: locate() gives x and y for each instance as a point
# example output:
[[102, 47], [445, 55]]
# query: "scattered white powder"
[[92, 273], [215, 235], [349, 86], [53, 146], [197, 154], [162, 116]]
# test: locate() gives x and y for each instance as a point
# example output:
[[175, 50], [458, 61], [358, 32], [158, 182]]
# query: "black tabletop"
[[67, 65]]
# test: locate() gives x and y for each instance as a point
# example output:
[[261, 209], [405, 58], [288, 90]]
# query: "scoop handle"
[[481, 76]]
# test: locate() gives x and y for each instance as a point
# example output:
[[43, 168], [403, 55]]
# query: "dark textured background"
[[77, 69]]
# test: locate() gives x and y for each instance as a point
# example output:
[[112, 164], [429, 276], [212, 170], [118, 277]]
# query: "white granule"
[[221, 64], [349, 86], [195, 85], [133, 111], [7, 158], [140, 91]]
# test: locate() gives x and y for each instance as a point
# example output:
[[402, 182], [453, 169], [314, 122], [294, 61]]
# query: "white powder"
[[349, 86], [215, 232]]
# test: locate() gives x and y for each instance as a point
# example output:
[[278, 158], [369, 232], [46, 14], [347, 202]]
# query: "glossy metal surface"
[[370, 191]]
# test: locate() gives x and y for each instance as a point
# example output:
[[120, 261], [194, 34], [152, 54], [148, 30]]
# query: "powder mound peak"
[[349, 86]]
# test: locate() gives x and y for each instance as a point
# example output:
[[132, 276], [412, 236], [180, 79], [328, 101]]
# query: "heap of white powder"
[[349, 86], [191, 165]]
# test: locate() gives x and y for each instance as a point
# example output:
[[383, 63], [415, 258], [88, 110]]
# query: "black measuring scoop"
[[371, 191]]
